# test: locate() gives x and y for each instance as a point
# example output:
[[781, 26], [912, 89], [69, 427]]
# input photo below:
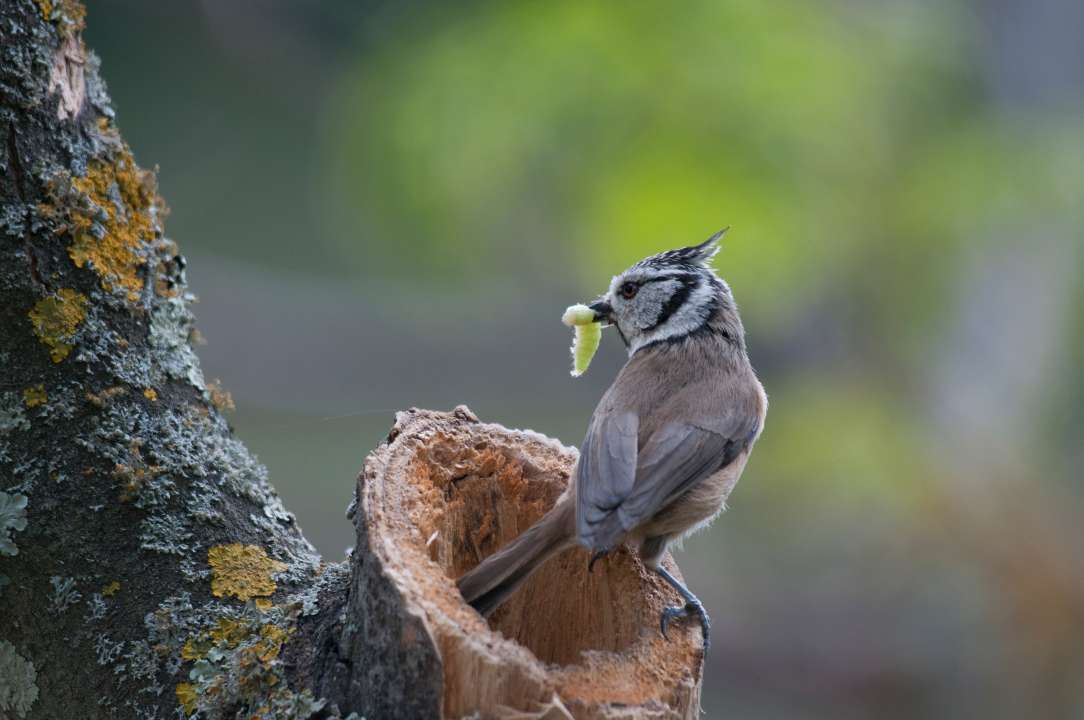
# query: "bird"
[[667, 442]]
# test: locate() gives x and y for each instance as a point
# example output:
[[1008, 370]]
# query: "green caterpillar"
[[588, 336]]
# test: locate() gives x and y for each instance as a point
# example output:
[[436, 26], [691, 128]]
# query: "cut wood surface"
[[444, 492]]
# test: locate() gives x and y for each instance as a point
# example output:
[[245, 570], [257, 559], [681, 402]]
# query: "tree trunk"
[[147, 568]]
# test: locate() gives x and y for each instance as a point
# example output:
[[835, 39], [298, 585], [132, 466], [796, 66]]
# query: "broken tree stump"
[[441, 494]]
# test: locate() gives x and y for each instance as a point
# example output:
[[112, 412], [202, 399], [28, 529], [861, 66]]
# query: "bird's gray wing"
[[673, 459], [606, 469]]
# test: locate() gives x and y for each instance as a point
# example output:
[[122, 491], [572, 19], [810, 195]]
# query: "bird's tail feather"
[[495, 578]]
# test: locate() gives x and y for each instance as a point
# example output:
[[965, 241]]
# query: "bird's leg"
[[692, 606]]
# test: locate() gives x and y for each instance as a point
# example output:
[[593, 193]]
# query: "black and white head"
[[670, 296]]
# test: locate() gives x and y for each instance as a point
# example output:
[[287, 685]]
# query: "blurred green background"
[[389, 204]]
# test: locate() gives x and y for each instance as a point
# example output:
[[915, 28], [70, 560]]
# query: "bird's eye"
[[628, 290]]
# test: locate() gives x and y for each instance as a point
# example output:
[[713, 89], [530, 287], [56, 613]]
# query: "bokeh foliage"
[[905, 245]]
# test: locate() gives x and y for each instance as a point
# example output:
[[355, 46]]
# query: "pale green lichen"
[[12, 414], [165, 533], [18, 682], [237, 671], [96, 608], [233, 657], [12, 520], [62, 401], [170, 332], [107, 651], [228, 656], [185, 442], [64, 594]]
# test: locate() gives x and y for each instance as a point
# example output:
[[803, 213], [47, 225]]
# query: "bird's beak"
[[603, 311]]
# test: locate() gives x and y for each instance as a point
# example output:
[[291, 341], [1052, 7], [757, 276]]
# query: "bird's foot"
[[693, 607], [595, 558]]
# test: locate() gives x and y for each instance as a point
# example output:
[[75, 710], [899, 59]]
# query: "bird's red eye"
[[628, 290]]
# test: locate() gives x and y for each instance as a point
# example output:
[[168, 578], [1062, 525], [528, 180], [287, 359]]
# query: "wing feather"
[[613, 497], [606, 470]]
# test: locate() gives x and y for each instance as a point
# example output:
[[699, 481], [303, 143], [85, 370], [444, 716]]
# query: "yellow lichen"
[[271, 639], [263, 604], [230, 632], [193, 649], [187, 697], [110, 219], [56, 318], [34, 396], [69, 15], [111, 589], [242, 653], [151, 394], [243, 571]]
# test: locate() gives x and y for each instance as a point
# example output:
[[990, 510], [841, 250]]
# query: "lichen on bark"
[[118, 474], [18, 686], [12, 520], [56, 318], [110, 213], [242, 571]]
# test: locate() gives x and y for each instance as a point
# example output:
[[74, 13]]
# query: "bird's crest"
[[691, 257]]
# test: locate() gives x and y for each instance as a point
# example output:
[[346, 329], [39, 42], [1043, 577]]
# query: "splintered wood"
[[444, 492]]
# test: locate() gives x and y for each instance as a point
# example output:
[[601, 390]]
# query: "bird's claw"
[[690, 608], [595, 558]]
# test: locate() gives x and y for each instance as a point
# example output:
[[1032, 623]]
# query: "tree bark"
[[148, 569]]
